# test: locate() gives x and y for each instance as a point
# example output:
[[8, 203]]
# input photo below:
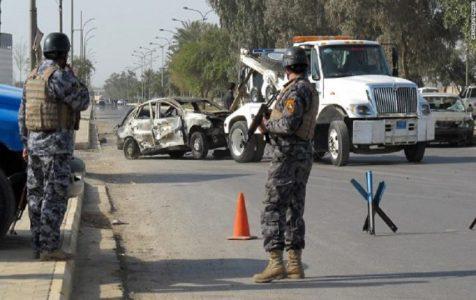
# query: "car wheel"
[[415, 153], [240, 150], [7, 205], [199, 145], [131, 149], [339, 143], [177, 154]]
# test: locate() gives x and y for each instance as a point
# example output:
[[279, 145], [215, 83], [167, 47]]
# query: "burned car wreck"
[[172, 126]]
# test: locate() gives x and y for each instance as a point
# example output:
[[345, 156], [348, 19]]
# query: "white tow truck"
[[364, 107]]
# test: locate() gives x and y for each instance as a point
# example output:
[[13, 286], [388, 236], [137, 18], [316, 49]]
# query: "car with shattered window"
[[454, 121], [173, 126]]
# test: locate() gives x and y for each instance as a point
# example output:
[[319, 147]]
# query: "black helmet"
[[295, 56], [56, 43]]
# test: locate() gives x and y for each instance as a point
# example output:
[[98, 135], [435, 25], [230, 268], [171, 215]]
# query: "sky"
[[122, 26]]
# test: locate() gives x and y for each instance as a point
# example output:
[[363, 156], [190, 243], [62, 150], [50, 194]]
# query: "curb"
[[62, 277], [63, 273]]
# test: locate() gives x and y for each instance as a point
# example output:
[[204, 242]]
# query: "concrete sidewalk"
[[23, 277]]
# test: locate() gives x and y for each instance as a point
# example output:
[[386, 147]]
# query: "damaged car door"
[[141, 127], [168, 126]]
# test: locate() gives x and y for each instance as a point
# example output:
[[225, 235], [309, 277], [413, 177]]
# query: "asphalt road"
[[180, 212]]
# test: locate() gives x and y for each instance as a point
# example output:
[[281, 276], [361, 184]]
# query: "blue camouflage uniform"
[[49, 155], [282, 220]]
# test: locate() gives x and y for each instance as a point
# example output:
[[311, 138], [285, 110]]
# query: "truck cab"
[[363, 107]]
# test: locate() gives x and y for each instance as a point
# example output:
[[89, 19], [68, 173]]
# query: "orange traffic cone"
[[241, 230]]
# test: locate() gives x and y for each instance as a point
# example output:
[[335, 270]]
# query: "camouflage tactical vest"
[[42, 112], [306, 130]]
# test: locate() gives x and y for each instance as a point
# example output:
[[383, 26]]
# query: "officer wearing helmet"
[[52, 98], [291, 129]]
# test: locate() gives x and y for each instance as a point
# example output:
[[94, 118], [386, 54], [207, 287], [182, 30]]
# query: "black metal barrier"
[[373, 204]]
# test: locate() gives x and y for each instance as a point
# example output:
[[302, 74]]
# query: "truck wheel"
[[199, 145], [260, 146], [339, 143], [177, 154], [240, 151], [415, 153], [131, 149], [7, 205]]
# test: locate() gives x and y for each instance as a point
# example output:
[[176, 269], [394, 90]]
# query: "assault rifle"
[[263, 112]]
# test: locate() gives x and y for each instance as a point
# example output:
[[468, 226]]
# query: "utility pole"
[[467, 64], [0, 16], [81, 37], [72, 32], [61, 15], [33, 30], [163, 69]]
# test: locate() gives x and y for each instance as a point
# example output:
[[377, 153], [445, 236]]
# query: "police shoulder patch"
[[290, 105]]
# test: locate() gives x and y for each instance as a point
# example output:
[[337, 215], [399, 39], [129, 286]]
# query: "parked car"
[[12, 165], [469, 95], [454, 122], [172, 126]]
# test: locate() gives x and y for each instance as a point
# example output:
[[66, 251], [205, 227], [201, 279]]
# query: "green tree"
[[297, 17], [457, 14], [202, 64], [245, 22], [83, 68], [123, 85]]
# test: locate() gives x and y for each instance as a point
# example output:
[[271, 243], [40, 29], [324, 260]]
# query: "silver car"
[[172, 126], [454, 123]]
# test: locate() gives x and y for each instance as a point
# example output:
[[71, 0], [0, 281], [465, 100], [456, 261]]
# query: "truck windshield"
[[352, 60]]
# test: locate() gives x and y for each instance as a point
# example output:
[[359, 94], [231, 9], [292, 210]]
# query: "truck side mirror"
[[395, 62], [470, 109]]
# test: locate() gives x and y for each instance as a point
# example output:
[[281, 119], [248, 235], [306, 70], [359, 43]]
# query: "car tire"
[[131, 149], [199, 145], [7, 205], [240, 151], [339, 143], [177, 154], [415, 153], [260, 146]]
